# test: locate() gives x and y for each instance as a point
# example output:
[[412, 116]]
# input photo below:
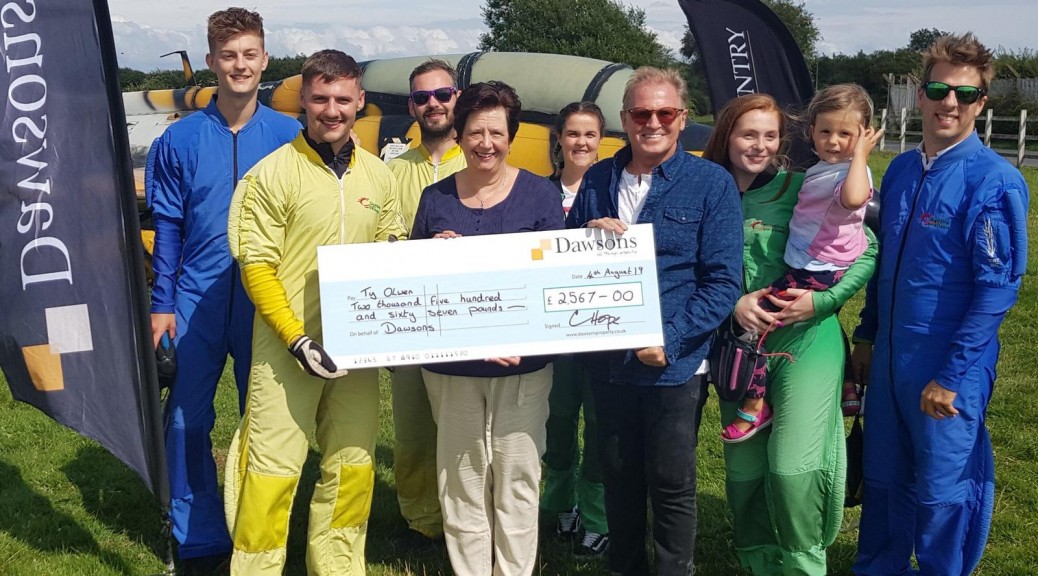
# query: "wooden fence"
[[902, 90], [898, 126]]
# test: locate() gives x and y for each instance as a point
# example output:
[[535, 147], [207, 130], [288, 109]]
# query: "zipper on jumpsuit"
[[897, 272], [235, 272], [342, 204]]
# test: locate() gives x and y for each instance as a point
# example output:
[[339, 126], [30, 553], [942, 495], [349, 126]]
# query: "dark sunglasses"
[[666, 115], [964, 94], [421, 97]]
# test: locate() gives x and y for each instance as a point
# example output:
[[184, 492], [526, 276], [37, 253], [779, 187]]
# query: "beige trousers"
[[489, 444]]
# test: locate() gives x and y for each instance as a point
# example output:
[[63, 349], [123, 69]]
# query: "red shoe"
[[732, 435]]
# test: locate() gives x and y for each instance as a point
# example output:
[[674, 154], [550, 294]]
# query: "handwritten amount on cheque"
[[390, 309]]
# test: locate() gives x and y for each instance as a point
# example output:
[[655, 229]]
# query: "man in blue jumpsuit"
[[953, 248], [198, 298]]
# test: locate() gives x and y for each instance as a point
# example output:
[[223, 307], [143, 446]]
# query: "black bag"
[[855, 465], [166, 362], [736, 364]]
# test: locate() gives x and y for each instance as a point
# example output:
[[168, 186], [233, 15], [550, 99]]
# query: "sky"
[[370, 29]]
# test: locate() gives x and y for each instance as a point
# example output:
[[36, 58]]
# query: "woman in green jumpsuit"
[[785, 485]]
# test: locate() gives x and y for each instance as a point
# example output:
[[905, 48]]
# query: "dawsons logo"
[[44, 259], [565, 245]]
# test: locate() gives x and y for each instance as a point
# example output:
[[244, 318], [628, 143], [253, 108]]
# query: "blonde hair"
[[840, 97], [652, 75], [964, 50]]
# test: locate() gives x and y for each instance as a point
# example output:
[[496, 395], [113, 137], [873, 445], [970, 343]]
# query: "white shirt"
[[928, 162], [631, 195], [568, 196]]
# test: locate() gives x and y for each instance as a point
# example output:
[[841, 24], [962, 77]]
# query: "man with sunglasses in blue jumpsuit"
[[953, 248], [198, 299]]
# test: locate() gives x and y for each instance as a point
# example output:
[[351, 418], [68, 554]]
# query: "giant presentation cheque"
[[427, 301]]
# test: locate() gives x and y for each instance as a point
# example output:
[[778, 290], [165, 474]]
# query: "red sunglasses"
[[666, 115]]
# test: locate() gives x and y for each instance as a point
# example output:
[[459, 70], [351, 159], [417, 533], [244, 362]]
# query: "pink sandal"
[[850, 404], [732, 435]]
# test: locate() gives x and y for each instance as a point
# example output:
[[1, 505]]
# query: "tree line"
[[613, 31]]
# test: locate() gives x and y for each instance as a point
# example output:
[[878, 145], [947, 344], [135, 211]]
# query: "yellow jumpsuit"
[[283, 208], [414, 447]]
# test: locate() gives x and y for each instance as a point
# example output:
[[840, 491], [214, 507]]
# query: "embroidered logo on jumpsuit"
[[367, 203], [931, 220]]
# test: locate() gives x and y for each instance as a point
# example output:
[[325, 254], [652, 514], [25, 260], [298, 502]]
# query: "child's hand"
[[867, 140]]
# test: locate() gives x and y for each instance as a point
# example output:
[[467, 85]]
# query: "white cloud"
[[140, 46], [371, 29]]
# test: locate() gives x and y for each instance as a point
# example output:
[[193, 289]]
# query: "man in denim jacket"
[[648, 399]]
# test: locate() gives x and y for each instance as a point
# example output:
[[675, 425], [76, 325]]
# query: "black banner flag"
[[74, 340], [745, 48]]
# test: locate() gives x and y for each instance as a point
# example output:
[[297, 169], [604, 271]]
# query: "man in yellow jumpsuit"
[[320, 189], [431, 102]]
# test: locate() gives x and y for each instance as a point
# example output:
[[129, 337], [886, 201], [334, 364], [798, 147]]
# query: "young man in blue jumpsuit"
[[197, 297], [953, 248]]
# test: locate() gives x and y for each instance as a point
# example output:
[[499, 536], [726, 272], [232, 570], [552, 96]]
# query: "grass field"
[[68, 508]]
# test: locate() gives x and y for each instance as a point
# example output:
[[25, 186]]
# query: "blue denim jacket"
[[694, 207]]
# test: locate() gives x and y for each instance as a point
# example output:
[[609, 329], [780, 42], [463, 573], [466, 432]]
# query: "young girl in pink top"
[[826, 232]]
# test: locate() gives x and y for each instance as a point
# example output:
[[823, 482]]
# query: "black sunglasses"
[[421, 97], [964, 94]]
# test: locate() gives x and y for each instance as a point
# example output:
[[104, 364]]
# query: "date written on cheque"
[[593, 296], [615, 273]]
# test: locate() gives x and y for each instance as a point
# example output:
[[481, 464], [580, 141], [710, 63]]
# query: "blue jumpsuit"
[[191, 173], [953, 248]]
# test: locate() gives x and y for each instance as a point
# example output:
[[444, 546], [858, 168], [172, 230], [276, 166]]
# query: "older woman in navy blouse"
[[490, 414]]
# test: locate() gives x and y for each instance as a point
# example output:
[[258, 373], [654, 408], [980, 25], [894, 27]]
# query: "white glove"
[[314, 359]]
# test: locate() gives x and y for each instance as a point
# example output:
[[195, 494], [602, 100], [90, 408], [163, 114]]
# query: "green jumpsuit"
[[786, 484]]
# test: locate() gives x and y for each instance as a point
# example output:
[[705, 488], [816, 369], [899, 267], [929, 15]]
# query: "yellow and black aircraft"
[[545, 84]]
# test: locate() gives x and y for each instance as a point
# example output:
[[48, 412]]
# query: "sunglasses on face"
[[938, 91], [666, 115], [421, 97]]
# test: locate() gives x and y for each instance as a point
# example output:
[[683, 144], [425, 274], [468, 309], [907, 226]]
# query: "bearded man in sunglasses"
[[953, 248], [431, 103], [648, 400]]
